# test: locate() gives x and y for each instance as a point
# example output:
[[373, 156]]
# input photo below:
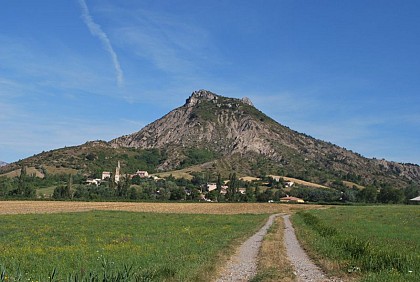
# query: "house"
[[117, 175], [105, 175], [95, 181], [141, 174], [277, 178], [288, 184], [290, 199], [242, 191], [211, 186], [416, 199]]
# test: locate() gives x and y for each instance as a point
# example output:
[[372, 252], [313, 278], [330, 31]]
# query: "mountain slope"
[[228, 135], [237, 132]]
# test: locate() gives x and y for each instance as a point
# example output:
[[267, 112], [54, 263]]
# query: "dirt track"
[[24, 207], [242, 266]]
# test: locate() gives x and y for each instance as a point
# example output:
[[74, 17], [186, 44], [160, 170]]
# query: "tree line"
[[170, 188]]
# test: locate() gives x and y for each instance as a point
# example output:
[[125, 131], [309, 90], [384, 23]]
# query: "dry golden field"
[[25, 207]]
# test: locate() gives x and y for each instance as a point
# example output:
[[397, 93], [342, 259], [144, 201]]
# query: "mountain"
[[226, 134], [234, 131], [2, 163]]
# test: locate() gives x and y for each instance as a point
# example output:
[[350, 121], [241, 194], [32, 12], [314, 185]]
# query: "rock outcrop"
[[229, 126]]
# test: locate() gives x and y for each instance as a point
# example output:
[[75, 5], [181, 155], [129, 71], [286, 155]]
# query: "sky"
[[346, 72]]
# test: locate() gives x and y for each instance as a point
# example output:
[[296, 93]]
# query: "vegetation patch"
[[379, 243], [117, 246], [194, 156], [273, 264]]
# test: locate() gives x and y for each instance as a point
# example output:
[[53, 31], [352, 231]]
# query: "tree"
[[266, 196], [249, 195], [133, 195], [389, 195], [257, 191], [219, 183], [5, 186], [367, 195], [61, 192], [23, 187], [69, 186], [411, 192], [233, 185], [177, 193], [123, 186]]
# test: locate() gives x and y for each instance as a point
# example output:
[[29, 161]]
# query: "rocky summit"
[[226, 135], [235, 131]]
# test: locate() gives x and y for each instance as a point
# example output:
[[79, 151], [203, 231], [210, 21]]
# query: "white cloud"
[[97, 31]]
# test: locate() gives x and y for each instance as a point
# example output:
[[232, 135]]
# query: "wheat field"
[[30, 207]]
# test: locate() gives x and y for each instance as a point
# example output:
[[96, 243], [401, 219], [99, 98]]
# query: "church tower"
[[117, 173]]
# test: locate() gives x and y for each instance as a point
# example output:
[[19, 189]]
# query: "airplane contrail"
[[96, 30]]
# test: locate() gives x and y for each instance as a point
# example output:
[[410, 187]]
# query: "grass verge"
[[273, 264], [377, 243]]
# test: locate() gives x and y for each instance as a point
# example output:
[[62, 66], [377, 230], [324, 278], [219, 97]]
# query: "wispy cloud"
[[171, 43], [28, 68], [97, 31]]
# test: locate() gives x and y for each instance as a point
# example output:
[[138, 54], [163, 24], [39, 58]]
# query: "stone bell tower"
[[117, 173]]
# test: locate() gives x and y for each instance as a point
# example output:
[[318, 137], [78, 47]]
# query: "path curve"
[[243, 265], [305, 269]]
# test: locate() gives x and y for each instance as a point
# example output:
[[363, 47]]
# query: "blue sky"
[[347, 72]]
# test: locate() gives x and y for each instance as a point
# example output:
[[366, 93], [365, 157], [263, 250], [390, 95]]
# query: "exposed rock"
[[200, 95], [247, 101], [239, 137], [229, 126]]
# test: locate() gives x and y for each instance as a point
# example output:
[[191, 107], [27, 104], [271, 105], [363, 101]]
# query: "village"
[[205, 189]]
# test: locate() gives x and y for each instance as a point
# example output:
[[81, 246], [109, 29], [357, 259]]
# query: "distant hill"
[[226, 134], [2, 163]]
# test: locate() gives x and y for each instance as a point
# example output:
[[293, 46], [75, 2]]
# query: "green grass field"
[[373, 243], [105, 245]]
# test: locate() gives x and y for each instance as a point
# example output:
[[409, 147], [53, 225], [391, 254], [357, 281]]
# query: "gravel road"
[[305, 269], [243, 265]]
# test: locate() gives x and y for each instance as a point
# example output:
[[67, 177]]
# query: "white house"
[[141, 173], [289, 184], [416, 199], [95, 181], [211, 186], [105, 175]]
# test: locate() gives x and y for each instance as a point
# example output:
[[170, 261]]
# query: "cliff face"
[[207, 120], [232, 127]]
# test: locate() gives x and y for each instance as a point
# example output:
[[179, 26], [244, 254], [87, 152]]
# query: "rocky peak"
[[247, 101], [200, 95], [205, 95]]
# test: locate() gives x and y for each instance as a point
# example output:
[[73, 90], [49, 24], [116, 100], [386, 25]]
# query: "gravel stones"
[[243, 265], [305, 269]]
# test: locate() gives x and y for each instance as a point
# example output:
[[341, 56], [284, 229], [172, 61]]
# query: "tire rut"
[[242, 266]]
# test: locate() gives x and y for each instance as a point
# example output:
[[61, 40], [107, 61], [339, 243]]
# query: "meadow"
[[118, 245], [368, 243]]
